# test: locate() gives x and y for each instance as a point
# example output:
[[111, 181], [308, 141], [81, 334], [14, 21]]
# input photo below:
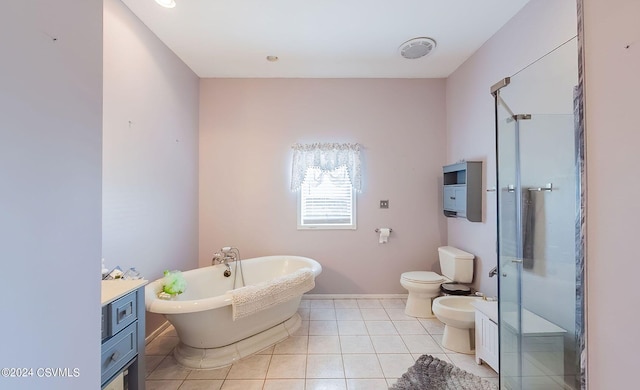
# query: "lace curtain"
[[327, 157]]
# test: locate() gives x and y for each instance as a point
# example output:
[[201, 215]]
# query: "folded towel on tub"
[[251, 299]]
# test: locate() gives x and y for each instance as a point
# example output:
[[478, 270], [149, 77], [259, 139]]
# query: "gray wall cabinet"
[[462, 190]]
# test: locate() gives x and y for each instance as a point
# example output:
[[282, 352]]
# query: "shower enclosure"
[[539, 142]]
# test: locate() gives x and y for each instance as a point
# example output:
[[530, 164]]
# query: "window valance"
[[326, 157]]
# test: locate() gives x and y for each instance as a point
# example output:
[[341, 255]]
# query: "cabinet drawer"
[[118, 351], [122, 312]]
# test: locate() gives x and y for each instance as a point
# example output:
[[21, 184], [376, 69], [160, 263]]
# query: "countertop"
[[489, 308], [114, 289], [532, 324]]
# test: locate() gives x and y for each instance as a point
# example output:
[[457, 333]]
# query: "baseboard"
[[354, 296], [156, 332]]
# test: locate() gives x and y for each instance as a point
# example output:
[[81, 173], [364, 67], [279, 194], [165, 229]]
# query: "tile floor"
[[344, 344]]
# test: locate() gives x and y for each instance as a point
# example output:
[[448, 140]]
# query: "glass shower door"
[[537, 208]]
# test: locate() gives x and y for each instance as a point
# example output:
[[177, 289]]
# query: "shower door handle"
[[516, 260]]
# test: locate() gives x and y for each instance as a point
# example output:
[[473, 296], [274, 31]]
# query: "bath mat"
[[431, 373]]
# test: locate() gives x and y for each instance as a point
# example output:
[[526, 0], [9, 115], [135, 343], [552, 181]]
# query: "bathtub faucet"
[[224, 256]]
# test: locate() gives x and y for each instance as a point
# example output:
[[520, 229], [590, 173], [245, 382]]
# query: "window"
[[326, 200], [327, 176]]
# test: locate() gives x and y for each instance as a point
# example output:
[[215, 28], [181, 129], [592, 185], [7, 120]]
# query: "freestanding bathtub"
[[202, 315]]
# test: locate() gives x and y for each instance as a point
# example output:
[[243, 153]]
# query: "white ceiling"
[[323, 38]]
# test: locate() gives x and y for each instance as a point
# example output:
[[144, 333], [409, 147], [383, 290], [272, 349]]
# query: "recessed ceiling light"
[[272, 58], [417, 48], [167, 3]]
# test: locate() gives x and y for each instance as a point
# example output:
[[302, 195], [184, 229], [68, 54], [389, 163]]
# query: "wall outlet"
[[384, 204]]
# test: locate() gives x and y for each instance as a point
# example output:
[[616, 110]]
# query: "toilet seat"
[[423, 277]]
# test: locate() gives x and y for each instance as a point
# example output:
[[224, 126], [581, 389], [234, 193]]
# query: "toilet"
[[424, 286], [458, 316]]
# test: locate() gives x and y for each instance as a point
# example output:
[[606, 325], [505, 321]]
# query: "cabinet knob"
[[452, 197], [115, 356]]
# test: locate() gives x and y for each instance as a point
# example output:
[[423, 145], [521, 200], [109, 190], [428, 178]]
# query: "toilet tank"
[[456, 264]]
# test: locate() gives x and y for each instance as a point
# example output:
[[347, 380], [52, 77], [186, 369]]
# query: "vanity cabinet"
[[487, 345], [462, 190], [123, 327]]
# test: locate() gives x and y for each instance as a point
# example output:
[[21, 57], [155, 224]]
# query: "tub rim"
[[156, 305]]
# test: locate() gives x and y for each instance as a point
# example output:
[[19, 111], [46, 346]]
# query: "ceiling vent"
[[417, 48]]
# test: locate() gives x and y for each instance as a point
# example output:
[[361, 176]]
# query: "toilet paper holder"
[[378, 230]]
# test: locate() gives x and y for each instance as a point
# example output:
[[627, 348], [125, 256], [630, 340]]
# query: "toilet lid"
[[422, 277]]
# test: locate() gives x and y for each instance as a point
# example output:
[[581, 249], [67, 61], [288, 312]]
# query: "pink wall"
[[539, 27], [50, 159], [247, 127], [150, 151], [613, 136]]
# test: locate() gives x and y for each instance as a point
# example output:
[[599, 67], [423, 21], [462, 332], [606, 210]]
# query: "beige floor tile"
[[325, 366], [369, 342], [152, 362], [367, 384], [169, 369], [266, 351], [287, 367], [394, 365], [432, 325], [389, 344], [292, 345], [391, 381], [348, 315], [303, 330], [324, 344], [380, 328], [346, 304], [284, 384], [352, 328], [253, 367], [398, 315], [305, 303], [326, 384], [304, 313], [392, 303], [242, 384], [409, 327], [218, 373], [321, 303], [468, 363], [162, 384], [362, 366], [369, 304], [374, 314], [322, 314], [421, 343], [356, 344], [202, 384], [323, 328]]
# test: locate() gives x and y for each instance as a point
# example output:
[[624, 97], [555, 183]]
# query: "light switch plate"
[[384, 204]]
